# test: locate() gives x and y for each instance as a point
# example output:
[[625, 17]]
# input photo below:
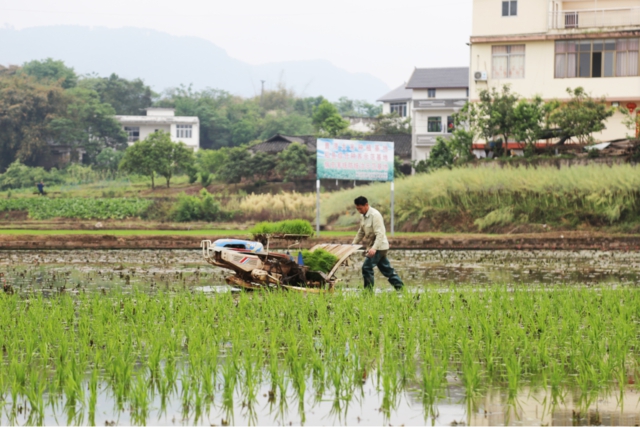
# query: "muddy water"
[[91, 269]]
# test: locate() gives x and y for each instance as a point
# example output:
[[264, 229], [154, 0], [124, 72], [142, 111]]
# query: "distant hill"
[[164, 61]]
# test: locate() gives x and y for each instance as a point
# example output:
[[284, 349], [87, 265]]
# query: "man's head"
[[362, 204]]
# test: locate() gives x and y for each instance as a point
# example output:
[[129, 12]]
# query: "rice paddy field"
[[482, 338]]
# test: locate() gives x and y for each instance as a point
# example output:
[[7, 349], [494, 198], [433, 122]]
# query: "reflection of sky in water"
[[491, 408]]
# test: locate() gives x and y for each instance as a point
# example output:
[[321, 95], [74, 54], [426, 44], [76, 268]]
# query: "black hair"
[[360, 201]]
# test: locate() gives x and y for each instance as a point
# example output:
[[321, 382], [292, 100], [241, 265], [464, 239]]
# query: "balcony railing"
[[594, 18]]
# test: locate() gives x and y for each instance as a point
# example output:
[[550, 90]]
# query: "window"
[[183, 131], [596, 58], [133, 133], [450, 124], [399, 108], [510, 8], [431, 93], [508, 61], [434, 124], [467, 92]]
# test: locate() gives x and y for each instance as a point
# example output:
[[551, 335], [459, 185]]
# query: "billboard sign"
[[354, 160]]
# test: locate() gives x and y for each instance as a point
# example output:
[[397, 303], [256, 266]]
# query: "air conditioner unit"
[[480, 76]]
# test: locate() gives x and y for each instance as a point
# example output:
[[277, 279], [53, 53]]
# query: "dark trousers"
[[382, 262]]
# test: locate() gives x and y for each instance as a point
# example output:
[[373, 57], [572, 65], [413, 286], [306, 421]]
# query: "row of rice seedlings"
[[218, 351]]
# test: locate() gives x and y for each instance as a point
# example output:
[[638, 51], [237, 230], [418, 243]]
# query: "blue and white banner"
[[354, 160]]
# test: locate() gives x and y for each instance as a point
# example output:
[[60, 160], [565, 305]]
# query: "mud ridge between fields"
[[548, 241]]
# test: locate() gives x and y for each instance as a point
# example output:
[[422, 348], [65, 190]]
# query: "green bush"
[[206, 179], [319, 260], [290, 226], [18, 175], [197, 208]]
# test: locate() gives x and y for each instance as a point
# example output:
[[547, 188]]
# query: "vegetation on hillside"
[[466, 199]]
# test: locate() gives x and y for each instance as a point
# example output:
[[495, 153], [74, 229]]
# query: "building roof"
[[278, 143], [398, 94], [433, 78], [158, 120]]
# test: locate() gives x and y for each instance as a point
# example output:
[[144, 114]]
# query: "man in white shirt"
[[373, 235]]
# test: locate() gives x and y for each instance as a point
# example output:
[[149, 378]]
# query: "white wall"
[[533, 17], [540, 80], [421, 117], [441, 93]]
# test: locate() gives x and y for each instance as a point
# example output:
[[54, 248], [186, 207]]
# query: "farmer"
[[372, 234], [40, 186]]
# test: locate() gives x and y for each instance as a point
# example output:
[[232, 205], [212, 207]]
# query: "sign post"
[[354, 161]]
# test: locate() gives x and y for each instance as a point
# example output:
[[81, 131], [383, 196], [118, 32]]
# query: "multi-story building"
[[397, 101], [181, 128], [543, 47], [436, 94]]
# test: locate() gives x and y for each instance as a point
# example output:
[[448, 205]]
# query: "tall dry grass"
[[593, 193], [271, 207]]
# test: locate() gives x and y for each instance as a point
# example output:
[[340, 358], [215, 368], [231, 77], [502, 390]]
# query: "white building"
[[181, 128], [436, 94], [543, 47], [397, 101]]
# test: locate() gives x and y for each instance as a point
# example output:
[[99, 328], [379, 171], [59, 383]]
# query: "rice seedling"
[[143, 349]]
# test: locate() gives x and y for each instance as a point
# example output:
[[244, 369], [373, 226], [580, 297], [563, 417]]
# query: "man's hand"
[[371, 253]]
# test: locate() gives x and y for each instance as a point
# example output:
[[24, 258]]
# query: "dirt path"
[[564, 241]]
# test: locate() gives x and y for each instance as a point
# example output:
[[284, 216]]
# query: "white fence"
[[595, 18]]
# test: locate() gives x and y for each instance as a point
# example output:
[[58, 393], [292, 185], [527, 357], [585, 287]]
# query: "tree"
[[27, 109], [327, 120], [529, 121], [391, 124], [109, 159], [49, 71], [211, 161], [495, 114], [88, 123], [439, 157], [261, 165], [348, 107], [236, 167], [141, 159], [582, 115], [286, 124], [294, 162], [127, 97], [171, 157]]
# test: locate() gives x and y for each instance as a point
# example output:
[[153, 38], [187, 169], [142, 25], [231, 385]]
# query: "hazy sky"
[[386, 38]]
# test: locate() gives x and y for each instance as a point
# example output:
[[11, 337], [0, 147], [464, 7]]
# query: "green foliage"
[[355, 108], [290, 226], [327, 120], [18, 175], [582, 115], [593, 153], [439, 157], [197, 208], [391, 124], [127, 97], [27, 109], [286, 124], [158, 155], [319, 260], [496, 113], [109, 159], [295, 162], [211, 160], [206, 179], [235, 166], [49, 71], [78, 208]]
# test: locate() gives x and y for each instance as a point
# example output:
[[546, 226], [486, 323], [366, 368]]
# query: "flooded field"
[[91, 269], [156, 337]]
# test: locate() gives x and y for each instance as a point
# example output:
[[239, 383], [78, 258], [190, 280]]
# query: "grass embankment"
[[492, 199], [204, 351]]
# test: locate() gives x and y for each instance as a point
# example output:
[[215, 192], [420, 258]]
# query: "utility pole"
[[261, 91]]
